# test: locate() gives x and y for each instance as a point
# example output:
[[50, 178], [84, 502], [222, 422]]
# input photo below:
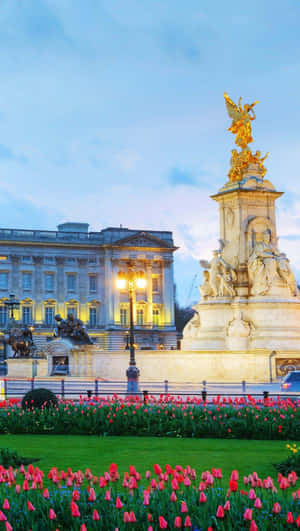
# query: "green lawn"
[[97, 453]]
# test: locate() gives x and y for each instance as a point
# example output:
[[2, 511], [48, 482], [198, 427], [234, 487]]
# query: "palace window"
[[3, 280], [49, 259], [73, 310], [27, 259], [155, 284], [123, 316], [140, 316], [27, 281], [92, 283], [49, 315], [156, 316], [93, 317], [27, 315], [71, 282], [3, 316], [49, 281]]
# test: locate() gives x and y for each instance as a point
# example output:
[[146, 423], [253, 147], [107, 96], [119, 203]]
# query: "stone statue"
[[21, 342], [238, 327], [193, 325], [71, 328], [265, 264], [205, 289], [220, 278]]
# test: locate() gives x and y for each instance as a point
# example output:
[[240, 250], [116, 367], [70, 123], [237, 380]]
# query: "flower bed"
[[169, 498], [167, 416]]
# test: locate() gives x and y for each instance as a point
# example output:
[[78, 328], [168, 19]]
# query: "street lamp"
[[11, 304], [132, 280]]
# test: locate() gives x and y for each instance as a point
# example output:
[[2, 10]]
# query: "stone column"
[[149, 316], [116, 293], [15, 287], [60, 286], [83, 289], [38, 316], [168, 292], [108, 283]]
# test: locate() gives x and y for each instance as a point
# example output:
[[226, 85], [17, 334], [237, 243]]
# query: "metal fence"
[[74, 388]]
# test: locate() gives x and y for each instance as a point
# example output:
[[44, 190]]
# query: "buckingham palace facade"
[[72, 270]]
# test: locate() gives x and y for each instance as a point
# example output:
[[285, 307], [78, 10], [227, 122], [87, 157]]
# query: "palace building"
[[74, 270]]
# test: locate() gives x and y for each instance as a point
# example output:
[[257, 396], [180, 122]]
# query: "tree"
[[182, 316]]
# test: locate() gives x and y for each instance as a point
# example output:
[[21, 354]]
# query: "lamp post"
[[132, 280], [127, 340], [11, 304]]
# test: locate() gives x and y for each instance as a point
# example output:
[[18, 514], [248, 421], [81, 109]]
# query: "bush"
[[39, 398], [292, 463], [12, 458]]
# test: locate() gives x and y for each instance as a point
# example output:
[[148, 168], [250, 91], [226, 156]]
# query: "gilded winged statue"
[[242, 116], [241, 120]]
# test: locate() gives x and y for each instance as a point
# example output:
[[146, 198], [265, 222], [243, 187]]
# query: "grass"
[[96, 453]]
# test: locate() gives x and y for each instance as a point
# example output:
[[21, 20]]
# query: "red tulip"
[[233, 485], [96, 516], [284, 484], [6, 504], [25, 485], [290, 518], [220, 512], [163, 524], [113, 469], [174, 484], [132, 470], [187, 522], [248, 514], [30, 507], [173, 497], [253, 526], [46, 493], [52, 515], [177, 522], [298, 521], [2, 517], [107, 496], [157, 469], [83, 527], [126, 517], [74, 509]]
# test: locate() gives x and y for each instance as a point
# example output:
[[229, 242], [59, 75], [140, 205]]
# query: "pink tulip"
[[183, 507], [6, 504], [177, 522], [284, 484], [257, 504], [96, 516], [202, 498], [298, 521], [187, 522], [290, 518], [248, 514], [150, 528], [119, 504], [8, 527], [220, 512], [18, 489], [132, 517], [187, 482], [253, 526], [52, 515], [83, 527], [148, 474], [174, 484], [92, 495], [234, 475], [252, 494], [3, 518], [74, 509], [226, 506], [173, 497], [276, 508], [157, 469], [163, 524], [46, 493], [107, 495], [25, 485], [126, 517]]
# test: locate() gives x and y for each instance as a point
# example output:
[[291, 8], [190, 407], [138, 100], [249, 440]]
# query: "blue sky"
[[112, 112]]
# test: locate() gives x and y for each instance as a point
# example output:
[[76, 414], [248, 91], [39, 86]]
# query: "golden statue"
[[241, 127]]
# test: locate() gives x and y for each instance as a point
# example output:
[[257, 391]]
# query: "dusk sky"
[[112, 112]]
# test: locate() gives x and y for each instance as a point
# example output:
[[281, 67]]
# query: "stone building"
[[74, 270]]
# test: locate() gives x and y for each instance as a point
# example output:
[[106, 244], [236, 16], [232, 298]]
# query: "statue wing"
[[205, 264], [232, 109]]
